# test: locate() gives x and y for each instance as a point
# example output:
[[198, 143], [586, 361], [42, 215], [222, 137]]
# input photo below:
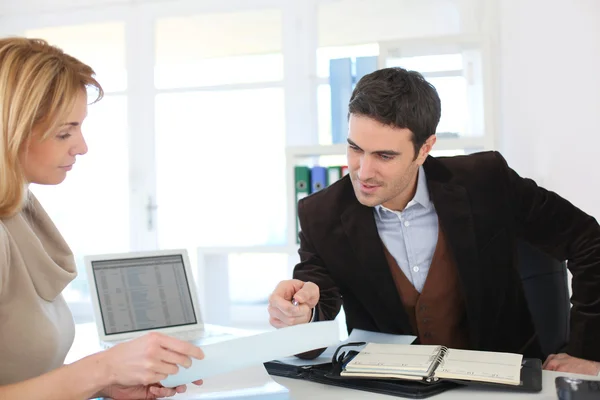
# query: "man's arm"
[[312, 269], [557, 227]]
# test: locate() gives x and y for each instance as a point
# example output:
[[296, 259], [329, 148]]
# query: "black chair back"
[[545, 281]]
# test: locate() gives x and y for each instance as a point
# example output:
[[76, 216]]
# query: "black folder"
[[329, 374]]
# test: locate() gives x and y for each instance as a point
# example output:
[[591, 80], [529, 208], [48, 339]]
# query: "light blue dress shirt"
[[411, 235]]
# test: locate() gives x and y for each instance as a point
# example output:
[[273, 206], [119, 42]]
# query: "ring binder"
[[439, 359]]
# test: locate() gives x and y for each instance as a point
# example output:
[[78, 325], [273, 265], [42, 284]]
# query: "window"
[[324, 57], [219, 49], [349, 22], [456, 73], [102, 46], [220, 144], [91, 208], [220, 168], [445, 73]]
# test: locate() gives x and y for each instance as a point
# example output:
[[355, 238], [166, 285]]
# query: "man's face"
[[382, 163]]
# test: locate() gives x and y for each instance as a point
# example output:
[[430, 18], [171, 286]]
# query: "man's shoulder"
[[475, 167], [483, 159]]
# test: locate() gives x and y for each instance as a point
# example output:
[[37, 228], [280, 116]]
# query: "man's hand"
[[282, 312], [565, 363]]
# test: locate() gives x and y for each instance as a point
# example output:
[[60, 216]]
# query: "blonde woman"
[[43, 103]]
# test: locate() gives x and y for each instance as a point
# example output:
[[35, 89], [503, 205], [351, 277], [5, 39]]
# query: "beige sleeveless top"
[[36, 326]]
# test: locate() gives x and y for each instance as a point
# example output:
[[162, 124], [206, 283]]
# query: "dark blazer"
[[483, 207]]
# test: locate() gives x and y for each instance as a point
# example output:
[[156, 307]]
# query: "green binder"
[[302, 185]]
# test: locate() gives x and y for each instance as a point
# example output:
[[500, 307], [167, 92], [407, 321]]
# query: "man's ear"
[[426, 148]]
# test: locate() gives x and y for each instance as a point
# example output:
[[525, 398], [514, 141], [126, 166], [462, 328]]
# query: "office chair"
[[546, 286]]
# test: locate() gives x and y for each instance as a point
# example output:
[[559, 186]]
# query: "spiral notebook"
[[431, 363]]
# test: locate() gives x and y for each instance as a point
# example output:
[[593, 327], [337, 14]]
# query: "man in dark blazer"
[[397, 198]]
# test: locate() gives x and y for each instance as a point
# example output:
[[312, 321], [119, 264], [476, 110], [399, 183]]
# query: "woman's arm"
[[129, 368], [76, 381]]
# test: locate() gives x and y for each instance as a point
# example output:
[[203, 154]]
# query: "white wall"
[[549, 95]]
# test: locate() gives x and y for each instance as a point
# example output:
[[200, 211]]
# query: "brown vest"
[[437, 315]]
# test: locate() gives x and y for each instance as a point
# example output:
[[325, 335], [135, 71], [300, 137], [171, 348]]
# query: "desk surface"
[[86, 342], [309, 390]]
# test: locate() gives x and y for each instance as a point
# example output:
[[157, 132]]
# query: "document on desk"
[[357, 335], [248, 383], [235, 354]]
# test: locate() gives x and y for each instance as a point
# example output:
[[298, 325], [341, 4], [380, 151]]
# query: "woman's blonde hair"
[[39, 84]]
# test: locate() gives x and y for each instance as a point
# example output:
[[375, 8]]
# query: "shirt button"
[[416, 268], [406, 223]]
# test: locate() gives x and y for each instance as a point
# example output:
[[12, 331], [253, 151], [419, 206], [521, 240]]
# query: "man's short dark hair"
[[400, 98]]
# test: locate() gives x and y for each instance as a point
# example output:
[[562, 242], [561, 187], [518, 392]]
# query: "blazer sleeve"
[[312, 268], [553, 224]]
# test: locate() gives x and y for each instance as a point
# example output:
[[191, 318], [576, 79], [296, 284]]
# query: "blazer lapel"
[[371, 265], [456, 219]]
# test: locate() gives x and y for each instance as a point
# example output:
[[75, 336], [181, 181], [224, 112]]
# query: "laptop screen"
[[137, 294]]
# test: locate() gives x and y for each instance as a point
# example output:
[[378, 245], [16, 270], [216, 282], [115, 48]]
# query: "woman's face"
[[47, 161]]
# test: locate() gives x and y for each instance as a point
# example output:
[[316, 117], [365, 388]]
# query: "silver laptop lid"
[[134, 293]]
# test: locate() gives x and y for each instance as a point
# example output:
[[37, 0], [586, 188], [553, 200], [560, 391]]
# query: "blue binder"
[[318, 178]]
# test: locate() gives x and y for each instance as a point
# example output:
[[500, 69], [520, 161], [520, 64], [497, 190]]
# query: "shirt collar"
[[421, 194]]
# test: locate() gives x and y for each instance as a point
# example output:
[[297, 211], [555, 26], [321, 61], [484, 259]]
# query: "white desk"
[[86, 342], [315, 391]]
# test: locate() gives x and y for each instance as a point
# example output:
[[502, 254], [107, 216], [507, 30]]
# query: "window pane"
[[326, 54], [455, 109], [102, 46], [220, 48], [220, 71], [324, 114], [91, 207], [433, 63], [221, 168], [347, 22]]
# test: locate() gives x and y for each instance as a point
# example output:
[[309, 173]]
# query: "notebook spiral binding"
[[437, 361]]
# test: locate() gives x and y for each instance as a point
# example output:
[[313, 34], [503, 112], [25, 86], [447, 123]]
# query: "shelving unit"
[[303, 155]]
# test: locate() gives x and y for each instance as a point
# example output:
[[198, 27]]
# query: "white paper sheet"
[[248, 383], [254, 350], [357, 335]]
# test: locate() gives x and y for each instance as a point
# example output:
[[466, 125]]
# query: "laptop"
[[140, 292]]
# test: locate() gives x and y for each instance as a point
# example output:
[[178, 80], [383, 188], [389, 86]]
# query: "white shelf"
[[315, 151]]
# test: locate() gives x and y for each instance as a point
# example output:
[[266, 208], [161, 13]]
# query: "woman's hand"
[[150, 392], [147, 360]]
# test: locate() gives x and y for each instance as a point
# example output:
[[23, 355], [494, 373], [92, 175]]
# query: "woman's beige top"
[[36, 326]]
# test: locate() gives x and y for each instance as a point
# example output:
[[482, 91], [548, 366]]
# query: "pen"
[[294, 302]]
